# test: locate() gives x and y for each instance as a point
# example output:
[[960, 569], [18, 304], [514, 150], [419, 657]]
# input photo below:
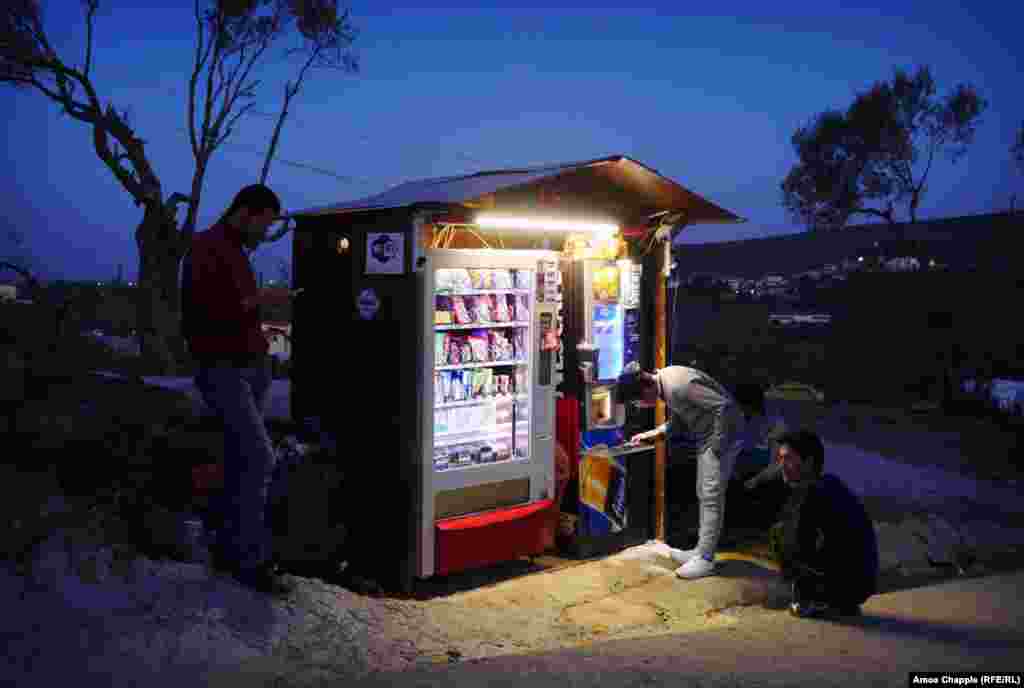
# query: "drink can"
[[193, 539]]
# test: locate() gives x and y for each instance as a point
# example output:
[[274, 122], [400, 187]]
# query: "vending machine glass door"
[[482, 338], [609, 339]]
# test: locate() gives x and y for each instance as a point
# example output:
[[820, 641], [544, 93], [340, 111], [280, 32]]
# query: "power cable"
[[291, 163]]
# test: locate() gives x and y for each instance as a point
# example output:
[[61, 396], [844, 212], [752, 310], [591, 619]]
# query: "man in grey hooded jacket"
[[703, 408]]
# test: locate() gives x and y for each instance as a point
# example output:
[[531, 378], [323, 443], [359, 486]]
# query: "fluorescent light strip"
[[542, 224]]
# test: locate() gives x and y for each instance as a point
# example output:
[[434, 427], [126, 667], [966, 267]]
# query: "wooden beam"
[[663, 261]]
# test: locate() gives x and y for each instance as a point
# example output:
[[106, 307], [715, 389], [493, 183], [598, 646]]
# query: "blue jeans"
[[238, 396]]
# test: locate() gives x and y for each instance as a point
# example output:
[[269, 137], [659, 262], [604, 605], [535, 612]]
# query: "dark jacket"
[[216, 278], [827, 531]]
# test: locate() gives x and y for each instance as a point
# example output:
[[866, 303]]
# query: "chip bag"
[[482, 309], [478, 344], [462, 314], [501, 309]]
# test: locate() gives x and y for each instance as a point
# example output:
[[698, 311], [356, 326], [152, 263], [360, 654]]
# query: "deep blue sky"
[[707, 99]]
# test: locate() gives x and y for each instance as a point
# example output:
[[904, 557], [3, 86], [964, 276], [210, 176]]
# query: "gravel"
[[82, 618], [173, 622]]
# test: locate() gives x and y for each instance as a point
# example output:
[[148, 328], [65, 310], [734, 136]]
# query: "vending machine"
[[488, 322], [602, 335], [612, 505]]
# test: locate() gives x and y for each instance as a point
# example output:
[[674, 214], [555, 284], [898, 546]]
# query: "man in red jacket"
[[221, 323]]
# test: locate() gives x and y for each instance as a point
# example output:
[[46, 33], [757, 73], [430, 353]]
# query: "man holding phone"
[[702, 407], [221, 323]]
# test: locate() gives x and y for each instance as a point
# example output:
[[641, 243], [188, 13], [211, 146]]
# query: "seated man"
[[829, 550]]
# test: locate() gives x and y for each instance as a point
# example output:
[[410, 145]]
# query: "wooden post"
[[664, 255]]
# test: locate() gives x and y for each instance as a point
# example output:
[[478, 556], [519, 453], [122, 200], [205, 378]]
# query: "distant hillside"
[[894, 337], [990, 242]]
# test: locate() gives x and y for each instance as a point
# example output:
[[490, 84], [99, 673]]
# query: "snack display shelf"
[[478, 292], [487, 364], [469, 466], [477, 433], [481, 325], [478, 402]]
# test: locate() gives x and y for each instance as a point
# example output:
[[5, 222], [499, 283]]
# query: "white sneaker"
[[697, 567], [681, 556]]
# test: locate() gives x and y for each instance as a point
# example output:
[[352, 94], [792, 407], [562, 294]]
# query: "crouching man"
[[829, 551]]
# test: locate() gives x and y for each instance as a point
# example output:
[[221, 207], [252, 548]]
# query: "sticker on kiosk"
[[385, 253], [368, 304]]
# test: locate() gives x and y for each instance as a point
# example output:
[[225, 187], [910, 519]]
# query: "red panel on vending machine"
[[467, 542], [567, 430]]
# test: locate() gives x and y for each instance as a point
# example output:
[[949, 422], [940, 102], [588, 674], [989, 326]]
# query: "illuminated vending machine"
[[489, 320], [602, 335]]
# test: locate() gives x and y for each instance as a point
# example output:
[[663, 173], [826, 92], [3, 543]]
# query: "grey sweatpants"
[[713, 474]]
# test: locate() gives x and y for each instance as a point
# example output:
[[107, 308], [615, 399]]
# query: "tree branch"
[[230, 126], [215, 38], [302, 72], [240, 89], [73, 108], [289, 93], [174, 200], [90, 15], [223, 79], [932, 149], [200, 61]]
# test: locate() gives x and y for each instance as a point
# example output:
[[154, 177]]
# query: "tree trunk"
[[159, 323], [915, 202]]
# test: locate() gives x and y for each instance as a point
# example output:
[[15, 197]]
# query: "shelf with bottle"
[[478, 292], [468, 454], [498, 399], [485, 308], [483, 280], [486, 364], [480, 326], [493, 430], [450, 466]]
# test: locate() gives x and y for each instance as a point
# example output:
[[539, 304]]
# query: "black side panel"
[[360, 377], [320, 322], [373, 418]]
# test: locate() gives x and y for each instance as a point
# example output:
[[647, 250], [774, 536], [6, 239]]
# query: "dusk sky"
[[709, 100]]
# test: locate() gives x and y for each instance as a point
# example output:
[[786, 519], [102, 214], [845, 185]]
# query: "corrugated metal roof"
[[454, 189], [650, 189]]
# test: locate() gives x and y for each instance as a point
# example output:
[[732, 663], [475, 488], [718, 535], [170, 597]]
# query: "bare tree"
[[233, 40]]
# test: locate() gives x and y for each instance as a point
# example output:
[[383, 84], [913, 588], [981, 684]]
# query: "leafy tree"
[[233, 40], [878, 154]]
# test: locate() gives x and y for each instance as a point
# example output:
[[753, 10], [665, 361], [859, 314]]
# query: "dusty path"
[[957, 626]]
